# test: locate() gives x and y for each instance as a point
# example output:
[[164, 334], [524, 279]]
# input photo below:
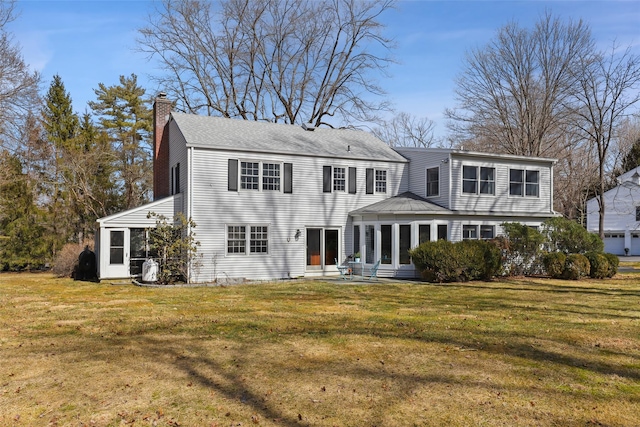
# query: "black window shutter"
[[369, 181], [288, 177], [177, 185], [352, 180], [233, 175], [326, 179]]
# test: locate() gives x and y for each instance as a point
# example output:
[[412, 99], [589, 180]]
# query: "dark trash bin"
[[86, 265]]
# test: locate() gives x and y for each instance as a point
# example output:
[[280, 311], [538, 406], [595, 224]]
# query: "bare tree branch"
[[288, 61], [406, 130]]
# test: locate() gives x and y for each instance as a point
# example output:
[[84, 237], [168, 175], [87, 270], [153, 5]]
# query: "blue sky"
[[88, 42]]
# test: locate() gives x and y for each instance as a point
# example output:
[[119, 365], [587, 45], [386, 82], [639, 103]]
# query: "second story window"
[[339, 179], [271, 176], [487, 180], [381, 181], [249, 175], [637, 213], [524, 182], [478, 180], [469, 179], [433, 182]]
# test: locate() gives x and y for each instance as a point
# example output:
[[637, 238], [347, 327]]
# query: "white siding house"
[[285, 201], [621, 215]]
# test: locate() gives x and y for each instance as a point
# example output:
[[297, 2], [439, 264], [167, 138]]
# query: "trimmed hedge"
[[443, 261], [576, 267], [614, 262], [554, 264]]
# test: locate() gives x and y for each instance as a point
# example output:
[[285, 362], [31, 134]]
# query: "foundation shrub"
[[554, 264], [443, 261], [599, 265], [576, 267], [614, 262], [522, 249], [568, 236]]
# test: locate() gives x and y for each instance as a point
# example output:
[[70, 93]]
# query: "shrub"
[[435, 260], [176, 246], [554, 264], [576, 267], [443, 261], [522, 249], [614, 261], [66, 261], [568, 236], [599, 265]]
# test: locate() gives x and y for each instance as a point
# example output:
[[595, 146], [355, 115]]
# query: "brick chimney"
[[161, 172]]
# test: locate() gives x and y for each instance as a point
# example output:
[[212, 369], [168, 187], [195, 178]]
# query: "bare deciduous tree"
[[289, 61], [513, 92], [406, 130], [609, 85], [18, 85]]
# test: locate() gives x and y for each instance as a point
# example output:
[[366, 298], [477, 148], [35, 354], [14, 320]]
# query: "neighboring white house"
[[280, 201], [621, 215]]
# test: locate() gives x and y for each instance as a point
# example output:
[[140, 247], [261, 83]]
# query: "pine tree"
[[60, 125], [125, 114], [23, 242]]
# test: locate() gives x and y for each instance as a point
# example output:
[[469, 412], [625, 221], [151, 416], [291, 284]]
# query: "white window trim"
[[426, 180], [478, 180], [375, 181], [260, 175], [345, 179], [247, 243], [524, 182]]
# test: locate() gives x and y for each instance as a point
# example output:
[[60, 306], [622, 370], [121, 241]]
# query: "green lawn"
[[518, 352]]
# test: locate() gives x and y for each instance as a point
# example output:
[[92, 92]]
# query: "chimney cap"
[[162, 95], [308, 126]]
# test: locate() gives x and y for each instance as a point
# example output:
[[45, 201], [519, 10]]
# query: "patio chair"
[[373, 271], [343, 269]]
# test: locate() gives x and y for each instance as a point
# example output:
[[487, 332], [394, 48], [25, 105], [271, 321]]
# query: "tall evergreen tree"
[[23, 242], [60, 125], [126, 115]]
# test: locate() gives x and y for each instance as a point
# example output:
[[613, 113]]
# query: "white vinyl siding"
[[283, 214], [421, 161], [501, 202]]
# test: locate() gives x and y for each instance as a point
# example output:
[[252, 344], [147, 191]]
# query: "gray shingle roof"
[[405, 203], [243, 135]]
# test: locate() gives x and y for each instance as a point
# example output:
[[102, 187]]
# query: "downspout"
[[450, 166], [189, 200]]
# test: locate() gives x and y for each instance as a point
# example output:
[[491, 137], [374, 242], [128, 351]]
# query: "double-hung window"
[[249, 175], [478, 180], [524, 182], [469, 179], [487, 232], [259, 240], [433, 182], [256, 239], [271, 176], [236, 239], [469, 232], [487, 180], [381, 181], [339, 179], [376, 181]]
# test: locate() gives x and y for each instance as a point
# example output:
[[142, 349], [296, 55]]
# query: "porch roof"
[[405, 203]]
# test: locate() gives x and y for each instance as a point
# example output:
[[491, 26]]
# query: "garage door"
[[614, 243], [635, 244]]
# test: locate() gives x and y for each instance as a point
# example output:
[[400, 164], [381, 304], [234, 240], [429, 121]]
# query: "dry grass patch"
[[518, 352]]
